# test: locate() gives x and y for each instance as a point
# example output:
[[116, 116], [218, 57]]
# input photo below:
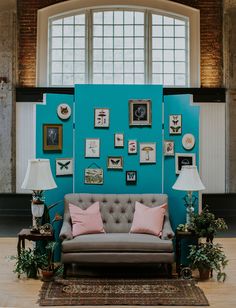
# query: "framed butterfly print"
[[115, 162], [175, 124], [64, 166]]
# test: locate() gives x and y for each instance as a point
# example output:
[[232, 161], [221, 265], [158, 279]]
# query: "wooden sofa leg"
[[65, 270], [169, 270]]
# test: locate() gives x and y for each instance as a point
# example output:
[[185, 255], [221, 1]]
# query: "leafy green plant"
[[207, 225], [29, 262], [208, 256]]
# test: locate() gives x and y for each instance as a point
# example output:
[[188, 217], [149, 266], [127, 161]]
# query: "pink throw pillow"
[[148, 219], [86, 221]]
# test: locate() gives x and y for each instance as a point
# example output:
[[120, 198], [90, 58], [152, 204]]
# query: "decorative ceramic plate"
[[188, 141], [64, 111]]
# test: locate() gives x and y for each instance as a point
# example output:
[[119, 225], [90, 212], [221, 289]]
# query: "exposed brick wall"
[[211, 39], [27, 32]]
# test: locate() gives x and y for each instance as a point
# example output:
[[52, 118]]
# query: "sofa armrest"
[[66, 231], [167, 231]]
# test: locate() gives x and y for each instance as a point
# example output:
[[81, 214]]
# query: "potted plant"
[[208, 257], [29, 262], [206, 224], [48, 268]]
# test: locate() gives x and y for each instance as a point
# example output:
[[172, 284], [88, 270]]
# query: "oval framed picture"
[[188, 141], [63, 111]]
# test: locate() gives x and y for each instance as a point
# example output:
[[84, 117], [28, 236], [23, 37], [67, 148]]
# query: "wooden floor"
[[22, 293]]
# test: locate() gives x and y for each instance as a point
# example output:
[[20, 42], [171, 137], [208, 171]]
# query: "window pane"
[[56, 54], [169, 42], [123, 43]]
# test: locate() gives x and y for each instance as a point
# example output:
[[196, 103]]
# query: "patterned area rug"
[[146, 292]]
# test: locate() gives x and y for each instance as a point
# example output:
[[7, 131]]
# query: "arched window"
[[118, 45]]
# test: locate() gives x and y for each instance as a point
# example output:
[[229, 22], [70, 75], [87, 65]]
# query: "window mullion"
[[89, 46], [148, 47]]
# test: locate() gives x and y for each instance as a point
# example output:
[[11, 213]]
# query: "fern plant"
[[208, 256]]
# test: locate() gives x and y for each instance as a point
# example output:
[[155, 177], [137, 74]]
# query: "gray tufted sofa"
[[117, 245]]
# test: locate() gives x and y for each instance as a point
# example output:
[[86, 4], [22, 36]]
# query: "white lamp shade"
[[188, 180], [38, 175]]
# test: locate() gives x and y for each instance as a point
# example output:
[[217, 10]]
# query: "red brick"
[[210, 33]]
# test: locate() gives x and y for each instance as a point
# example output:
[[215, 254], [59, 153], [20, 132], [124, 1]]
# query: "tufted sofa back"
[[117, 210]]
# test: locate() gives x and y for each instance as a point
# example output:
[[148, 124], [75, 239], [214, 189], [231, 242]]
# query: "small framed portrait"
[[147, 152], [119, 140], [132, 147], [175, 124], [52, 137], [64, 111], [64, 166], [92, 148], [169, 148], [184, 159], [131, 177], [93, 176], [115, 162], [140, 112], [101, 117]]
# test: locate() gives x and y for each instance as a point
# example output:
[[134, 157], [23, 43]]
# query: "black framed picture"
[[140, 112], [131, 177], [52, 137], [184, 159]]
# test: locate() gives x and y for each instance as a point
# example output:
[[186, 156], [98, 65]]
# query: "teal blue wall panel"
[[179, 104], [47, 114], [116, 97]]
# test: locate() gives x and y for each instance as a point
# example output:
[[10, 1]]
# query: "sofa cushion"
[[86, 221], [117, 210], [148, 220], [121, 242]]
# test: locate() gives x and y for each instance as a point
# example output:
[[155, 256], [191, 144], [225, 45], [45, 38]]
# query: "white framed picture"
[[175, 124], [115, 162], [184, 159], [119, 140], [169, 148], [93, 176], [64, 111], [188, 141], [101, 117], [92, 147], [64, 166], [132, 147], [147, 151]]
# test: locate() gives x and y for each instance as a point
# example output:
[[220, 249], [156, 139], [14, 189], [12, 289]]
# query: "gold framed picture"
[[52, 137]]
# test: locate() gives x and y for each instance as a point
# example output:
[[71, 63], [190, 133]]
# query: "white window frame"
[[161, 6]]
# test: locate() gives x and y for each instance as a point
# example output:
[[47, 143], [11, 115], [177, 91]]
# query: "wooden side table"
[[179, 236], [26, 234]]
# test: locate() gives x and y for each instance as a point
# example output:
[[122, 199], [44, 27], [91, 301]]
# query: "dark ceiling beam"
[[200, 95]]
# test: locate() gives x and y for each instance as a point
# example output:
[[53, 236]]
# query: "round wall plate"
[[188, 141], [64, 111]]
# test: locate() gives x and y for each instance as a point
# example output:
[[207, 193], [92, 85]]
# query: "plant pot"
[[32, 272], [204, 273], [47, 275]]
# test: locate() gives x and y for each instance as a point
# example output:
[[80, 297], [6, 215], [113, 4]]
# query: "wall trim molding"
[[200, 95]]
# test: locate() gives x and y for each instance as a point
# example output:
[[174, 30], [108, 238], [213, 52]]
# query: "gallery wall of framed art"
[[109, 139]]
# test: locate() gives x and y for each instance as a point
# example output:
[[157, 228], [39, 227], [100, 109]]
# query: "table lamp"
[[38, 178], [189, 181]]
